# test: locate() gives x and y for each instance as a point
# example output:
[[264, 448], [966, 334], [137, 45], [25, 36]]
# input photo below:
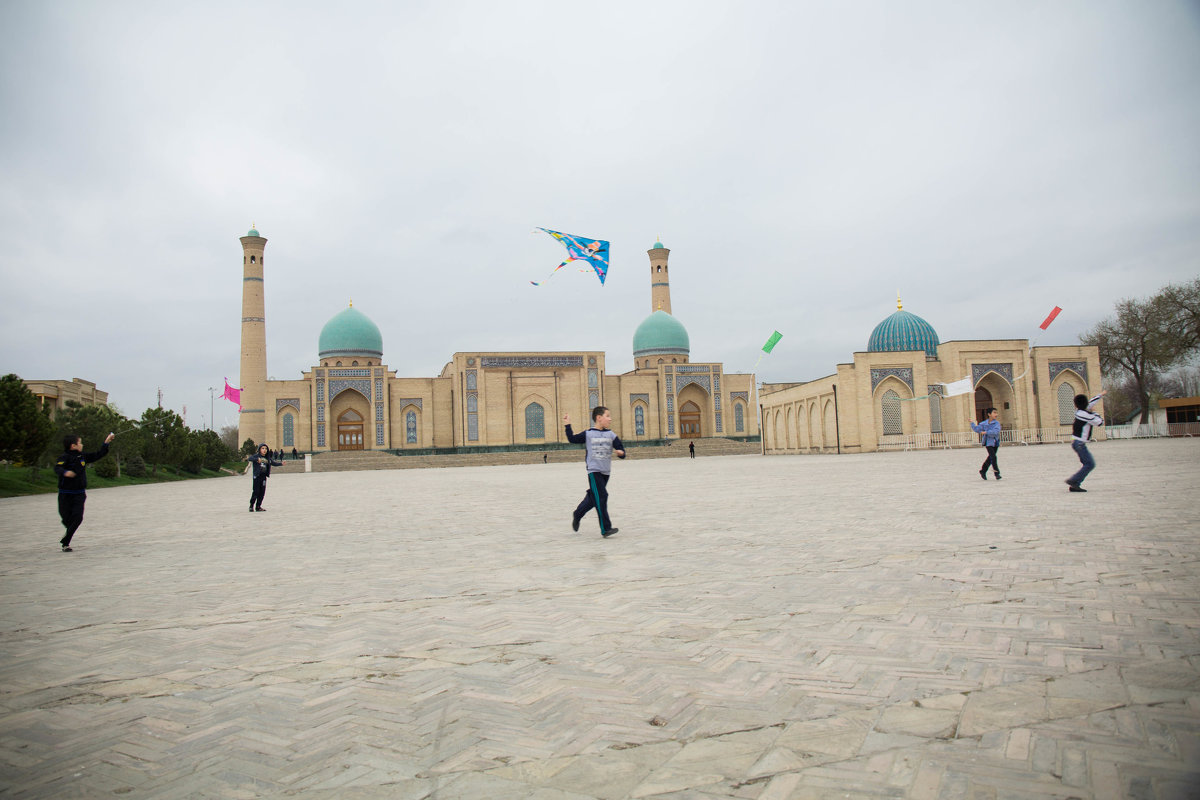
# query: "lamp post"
[[212, 393]]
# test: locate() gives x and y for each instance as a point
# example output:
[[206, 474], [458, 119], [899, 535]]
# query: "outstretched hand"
[[566, 419]]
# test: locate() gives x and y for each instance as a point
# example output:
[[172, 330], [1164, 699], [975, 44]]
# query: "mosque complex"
[[351, 400]]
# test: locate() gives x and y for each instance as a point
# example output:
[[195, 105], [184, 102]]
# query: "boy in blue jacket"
[[990, 428], [600, 442]]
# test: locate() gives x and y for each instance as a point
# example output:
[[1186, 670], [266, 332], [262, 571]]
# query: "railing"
[[934, 441]]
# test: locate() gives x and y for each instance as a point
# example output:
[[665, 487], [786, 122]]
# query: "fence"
[[935, 441]]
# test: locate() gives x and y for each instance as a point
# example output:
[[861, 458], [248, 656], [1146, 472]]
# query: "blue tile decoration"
[[593, 378], [739, 396], [320, 390], [294, 402], [593, 399], [645, 398], [509, 362], [341, 385], [880, 373], [320, 434], [410, 401], [379, 412], [1003, 370], [472, 380], [1079, 367], [320, 412], [349, 373], [719, 422], [693, 368], [700, 380], [379, 434]]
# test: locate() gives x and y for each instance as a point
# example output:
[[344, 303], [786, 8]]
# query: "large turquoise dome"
[[903, 331], [351, 334], [660, 333]]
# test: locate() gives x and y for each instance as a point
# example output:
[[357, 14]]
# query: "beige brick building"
[[350, 400], [894, 393], [54, 394]]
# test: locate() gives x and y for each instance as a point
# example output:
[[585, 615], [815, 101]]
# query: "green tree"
[[248, 447], [163, 435], [93, 424], [1145, 338], [25, 429]]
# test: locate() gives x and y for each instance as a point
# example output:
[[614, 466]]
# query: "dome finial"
[[899, 305], [659, 306], [351, 302]]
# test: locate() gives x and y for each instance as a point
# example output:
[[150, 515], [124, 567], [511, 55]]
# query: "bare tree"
[[1147, 337]]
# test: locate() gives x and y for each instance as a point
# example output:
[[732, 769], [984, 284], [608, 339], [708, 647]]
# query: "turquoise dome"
[[659, 246], [352, 334], [252, 232], [903, 331], [660, 333]]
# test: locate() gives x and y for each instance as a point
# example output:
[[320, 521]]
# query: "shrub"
[[136, 467], [106, 468]]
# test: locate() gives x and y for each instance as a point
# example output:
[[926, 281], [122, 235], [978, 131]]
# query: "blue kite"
[[581, 248]]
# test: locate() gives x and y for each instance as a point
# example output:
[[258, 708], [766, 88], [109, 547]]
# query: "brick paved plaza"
[[882, 625]]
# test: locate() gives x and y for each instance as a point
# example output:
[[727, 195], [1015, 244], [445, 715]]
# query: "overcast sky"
[[803, 161]]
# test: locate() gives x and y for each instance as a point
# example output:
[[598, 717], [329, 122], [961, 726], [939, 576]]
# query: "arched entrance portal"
[[689, 421], [983, 399], [350, 430]]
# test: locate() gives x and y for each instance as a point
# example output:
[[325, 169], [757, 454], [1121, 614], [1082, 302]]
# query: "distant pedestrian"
[[1081, 430], [262, 463], [71, 468], [990, 428], [544, 458], [599, 442], [295, 454], [692, 449]]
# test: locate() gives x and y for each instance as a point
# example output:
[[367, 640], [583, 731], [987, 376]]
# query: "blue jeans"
[[1085, 458]]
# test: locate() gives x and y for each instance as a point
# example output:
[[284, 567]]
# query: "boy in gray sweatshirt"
[[599, 444]]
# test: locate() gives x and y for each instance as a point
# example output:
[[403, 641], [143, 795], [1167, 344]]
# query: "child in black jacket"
[[72, 483]]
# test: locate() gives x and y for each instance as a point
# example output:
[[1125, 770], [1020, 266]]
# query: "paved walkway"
[[882, 625]]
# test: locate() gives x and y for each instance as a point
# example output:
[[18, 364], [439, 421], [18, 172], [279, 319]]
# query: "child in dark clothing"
[[71, 468], [262, 463], [600, 444], [990, 428]]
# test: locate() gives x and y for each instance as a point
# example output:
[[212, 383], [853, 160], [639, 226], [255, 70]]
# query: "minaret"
[[252, 422], [660, 281]]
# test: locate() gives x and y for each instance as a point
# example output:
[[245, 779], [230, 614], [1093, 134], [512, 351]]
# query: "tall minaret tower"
[[252, 422], [660, 281]]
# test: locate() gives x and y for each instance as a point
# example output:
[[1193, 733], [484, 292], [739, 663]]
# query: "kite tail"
[[556, 269]]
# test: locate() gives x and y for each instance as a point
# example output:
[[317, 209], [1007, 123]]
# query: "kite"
[[581, 248], [768, 347], [1046, 324], [958, 387], [233, 395]]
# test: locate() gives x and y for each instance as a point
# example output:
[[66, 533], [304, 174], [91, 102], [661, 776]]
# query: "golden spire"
[[899, 305], [659, 305], [352, 302]]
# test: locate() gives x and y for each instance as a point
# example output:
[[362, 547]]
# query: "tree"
[[163, 435], [1147, 337], [94, 424], [229, 437], [25, 429]]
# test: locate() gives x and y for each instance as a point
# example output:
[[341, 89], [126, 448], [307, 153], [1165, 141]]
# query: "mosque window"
[[535, 421], [639, 421], [251, 259], [935, 413], [1066, 403], [470, 380], [410, 427], [660, 361], [354, 363], [289, 431], [890, 404], [472, 403], [338, 364], [739, 418], [674, 360]]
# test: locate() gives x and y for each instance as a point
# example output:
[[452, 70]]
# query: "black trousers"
[[597, 489], [70, 510], [991, 459], [259, 491]]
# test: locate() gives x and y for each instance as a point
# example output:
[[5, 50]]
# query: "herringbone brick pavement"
[[864, 626]]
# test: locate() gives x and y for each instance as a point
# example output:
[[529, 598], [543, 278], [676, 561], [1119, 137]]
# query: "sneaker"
[[575, 524], [67, 548], [983, 474], [260, 508], [1075, 488], [609, 532], [997, 476]]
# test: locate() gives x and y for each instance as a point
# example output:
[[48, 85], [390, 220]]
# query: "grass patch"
[[18, 481]]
